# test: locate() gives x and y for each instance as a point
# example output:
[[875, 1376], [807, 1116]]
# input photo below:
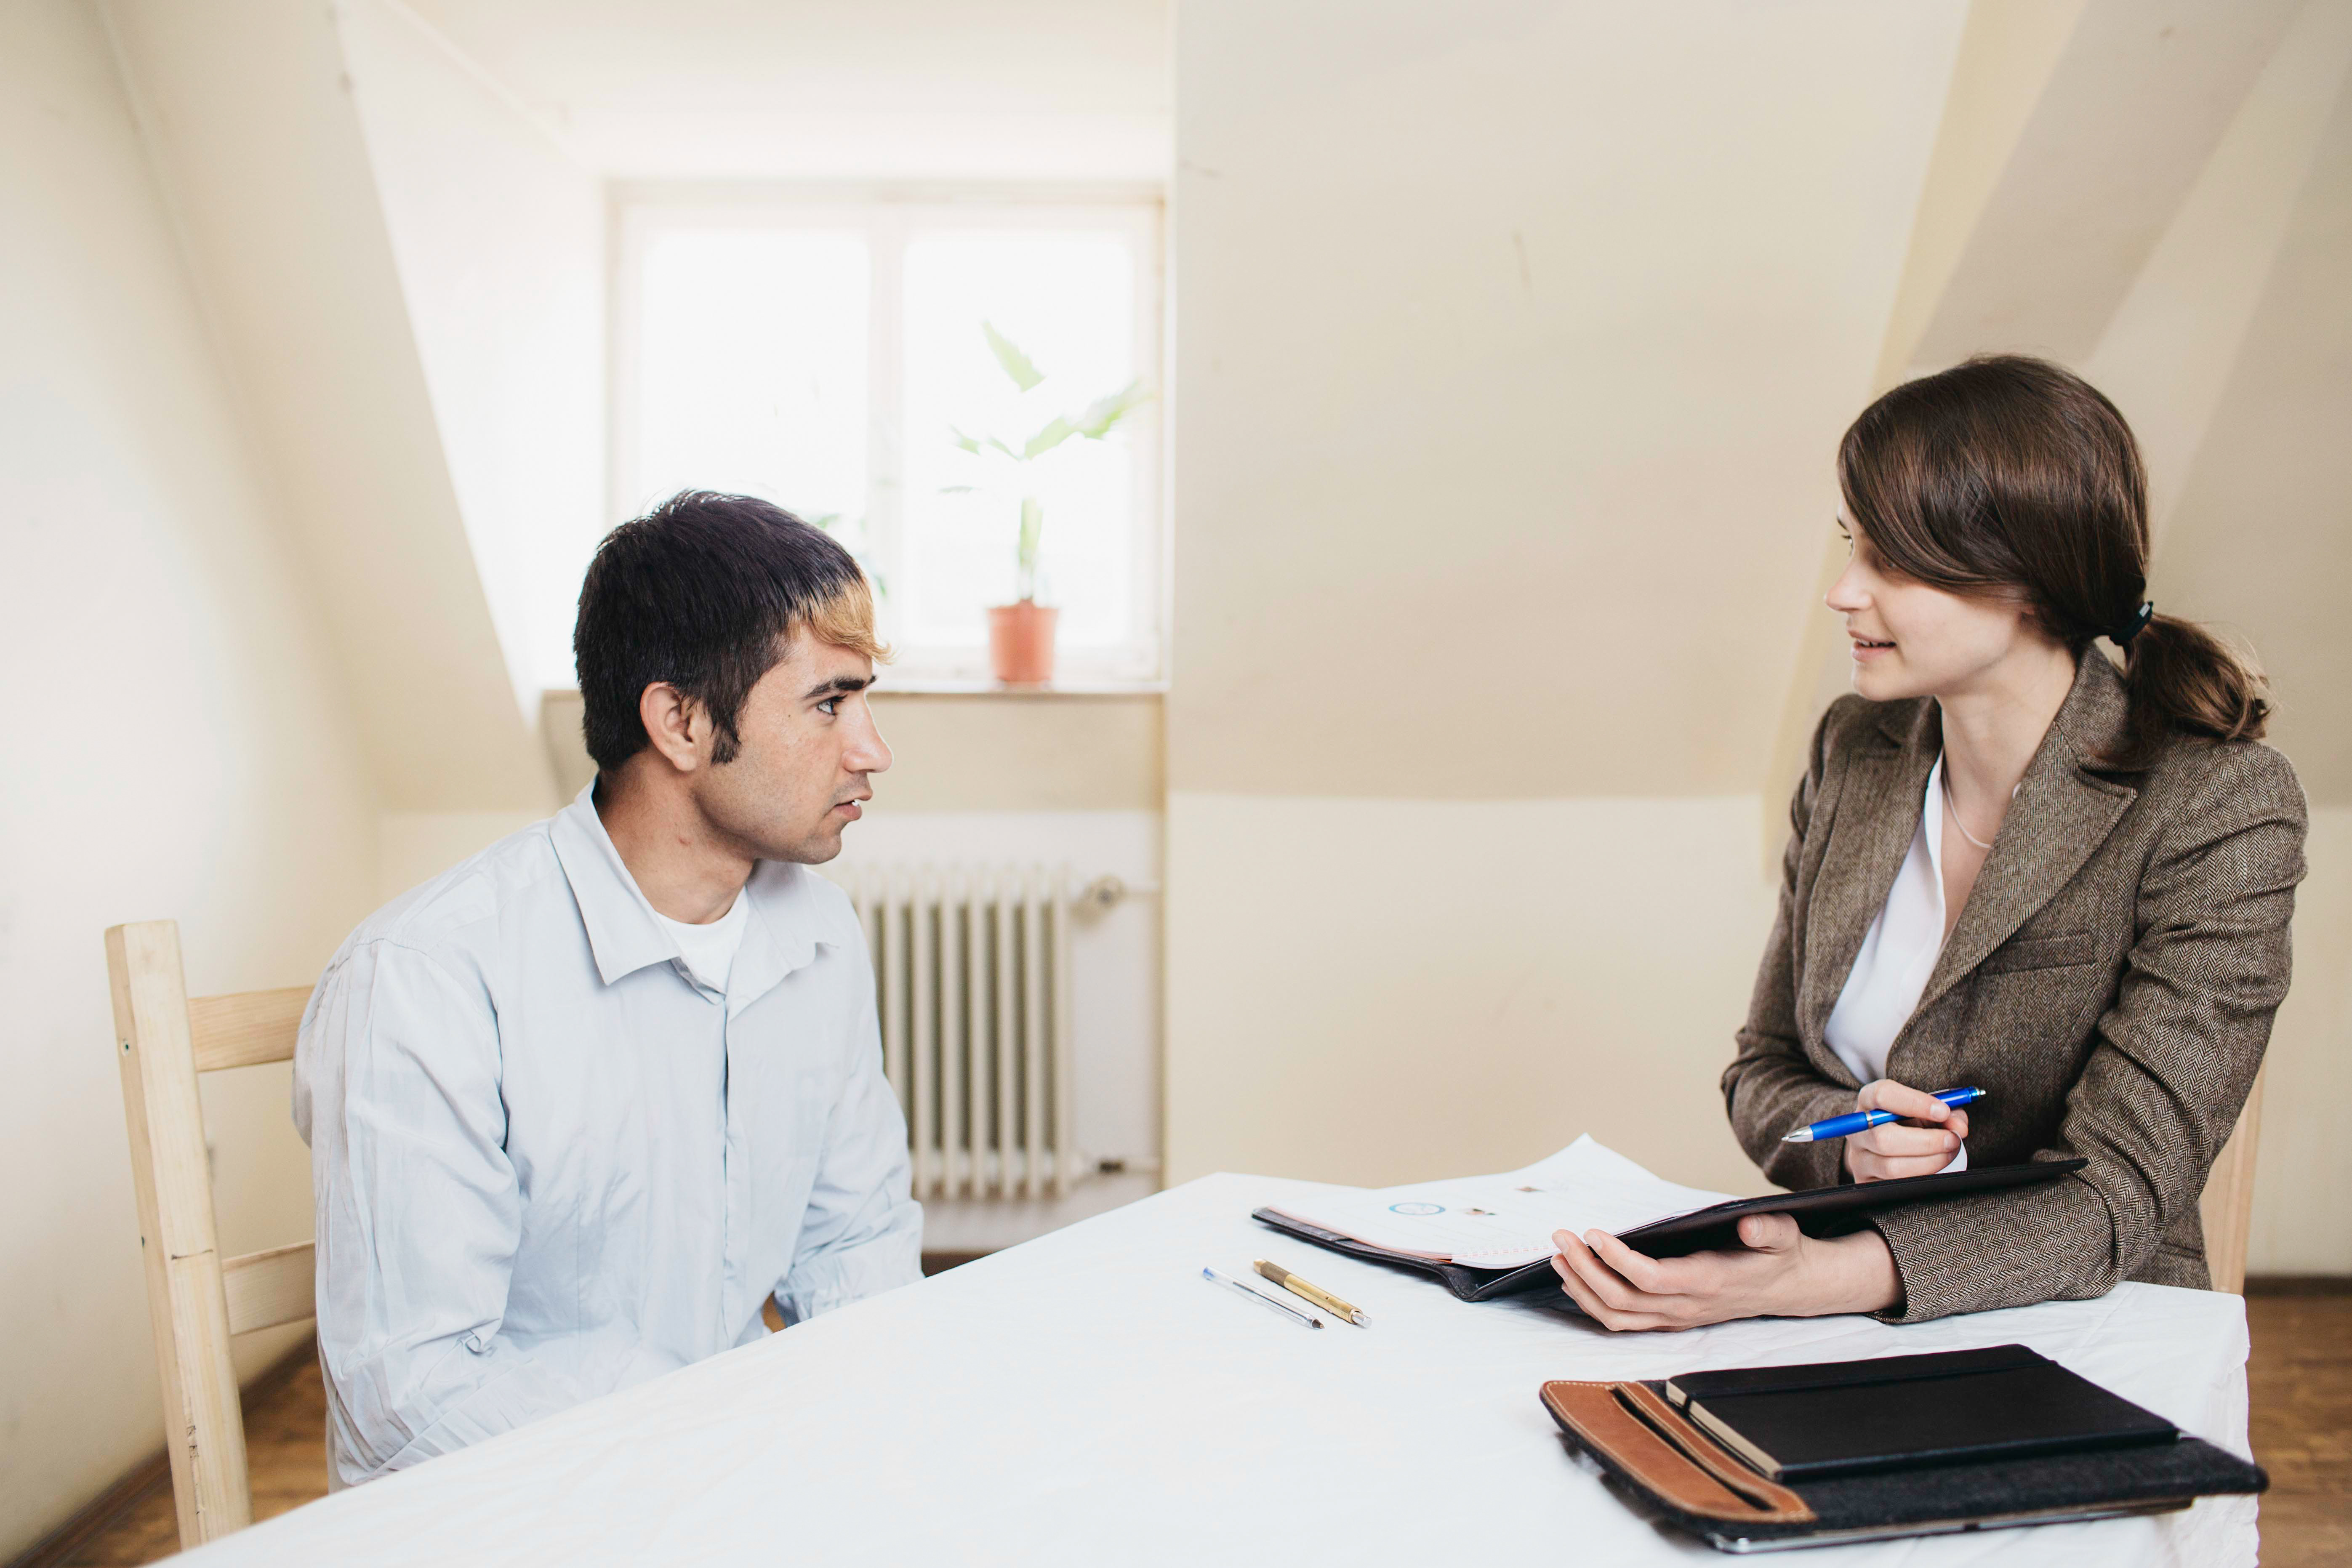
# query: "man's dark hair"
[[706, 592]]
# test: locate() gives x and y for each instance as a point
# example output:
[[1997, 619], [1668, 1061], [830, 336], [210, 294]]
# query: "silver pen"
[[1293, 1313]]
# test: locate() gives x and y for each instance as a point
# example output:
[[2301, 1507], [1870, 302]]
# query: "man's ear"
[[677, 725]]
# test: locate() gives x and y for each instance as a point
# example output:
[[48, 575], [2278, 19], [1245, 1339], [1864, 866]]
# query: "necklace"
[[1952, 806]]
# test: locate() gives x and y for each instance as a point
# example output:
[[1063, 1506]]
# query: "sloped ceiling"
[[2138, 100], [2160, 208], [394, 215], [2262, 540], [2084, 148], [245, 106], [816, 88]]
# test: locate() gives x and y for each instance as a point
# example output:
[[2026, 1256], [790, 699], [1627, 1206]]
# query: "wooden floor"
[[2300, 1378], [286, 1450], [2300, 1383]]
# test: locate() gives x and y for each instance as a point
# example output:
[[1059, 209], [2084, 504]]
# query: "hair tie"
[[2140, 617]]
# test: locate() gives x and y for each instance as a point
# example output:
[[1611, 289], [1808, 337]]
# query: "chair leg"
[[203, 1428]]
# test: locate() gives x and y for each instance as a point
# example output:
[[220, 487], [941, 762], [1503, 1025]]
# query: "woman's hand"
[[1921, 1145], [1778, 1272]]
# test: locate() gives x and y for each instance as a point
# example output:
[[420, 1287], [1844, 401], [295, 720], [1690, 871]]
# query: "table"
[[1088, 1398]]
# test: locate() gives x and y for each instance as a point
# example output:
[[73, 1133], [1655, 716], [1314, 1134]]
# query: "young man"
[[579, 1107]]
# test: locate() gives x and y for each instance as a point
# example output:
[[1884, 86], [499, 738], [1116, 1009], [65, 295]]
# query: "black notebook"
[[1841, 1418], [1819, 1211]]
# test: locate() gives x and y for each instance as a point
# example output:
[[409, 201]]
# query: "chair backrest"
[[196, 1300], [2227, 1205]]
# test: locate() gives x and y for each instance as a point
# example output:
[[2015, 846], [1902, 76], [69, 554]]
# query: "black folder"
[[1672, 1470], [1819, 1211]]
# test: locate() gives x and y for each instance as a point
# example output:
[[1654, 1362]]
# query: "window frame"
[[886, 214]]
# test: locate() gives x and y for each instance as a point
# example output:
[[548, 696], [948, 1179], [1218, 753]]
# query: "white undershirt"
[[709, 949], [1897, 955]]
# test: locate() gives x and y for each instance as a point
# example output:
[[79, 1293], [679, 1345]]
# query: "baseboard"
[[92, 1519], [2299, 1284]]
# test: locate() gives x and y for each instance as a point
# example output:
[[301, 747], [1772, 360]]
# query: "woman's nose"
[[1846, 594]]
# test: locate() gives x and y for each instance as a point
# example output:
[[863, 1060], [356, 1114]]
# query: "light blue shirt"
[[548, 1164]]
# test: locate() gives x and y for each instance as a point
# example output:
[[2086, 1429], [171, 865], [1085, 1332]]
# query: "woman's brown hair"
[[2009, 474]]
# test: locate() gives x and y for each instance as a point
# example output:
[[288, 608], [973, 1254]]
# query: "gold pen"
[[1316, 1294]]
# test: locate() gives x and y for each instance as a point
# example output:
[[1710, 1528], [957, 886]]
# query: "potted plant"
[[1020, 634]]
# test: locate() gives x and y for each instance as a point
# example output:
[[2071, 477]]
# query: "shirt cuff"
[[819, 1285]]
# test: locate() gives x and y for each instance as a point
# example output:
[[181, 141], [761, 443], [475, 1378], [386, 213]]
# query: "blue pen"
[[1846, 1126]]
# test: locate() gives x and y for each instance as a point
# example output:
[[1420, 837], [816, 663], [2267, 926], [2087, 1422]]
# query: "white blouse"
[[1898, 956]]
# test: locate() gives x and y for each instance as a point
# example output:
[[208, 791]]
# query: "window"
[[863, 365]]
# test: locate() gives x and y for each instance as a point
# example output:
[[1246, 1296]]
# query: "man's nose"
[[869, 753]]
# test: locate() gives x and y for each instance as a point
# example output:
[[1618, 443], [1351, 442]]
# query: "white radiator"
[[972, 970]]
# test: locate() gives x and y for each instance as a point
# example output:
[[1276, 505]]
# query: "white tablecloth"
[[1088, 1398]]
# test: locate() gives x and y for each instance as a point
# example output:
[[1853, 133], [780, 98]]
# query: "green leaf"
[[1103, 414], [974, 444], [1055, 433], [1016, 363]]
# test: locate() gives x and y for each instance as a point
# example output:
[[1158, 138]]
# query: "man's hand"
[[1778, 1272], [1921, 1145]]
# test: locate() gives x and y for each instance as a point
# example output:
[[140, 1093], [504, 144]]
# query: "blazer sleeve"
[[1771, 1085], [2171, 1062]]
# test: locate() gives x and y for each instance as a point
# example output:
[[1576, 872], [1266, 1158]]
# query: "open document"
[[1504, 1222]]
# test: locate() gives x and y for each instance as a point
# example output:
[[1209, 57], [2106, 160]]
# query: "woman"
[[2012, 867]]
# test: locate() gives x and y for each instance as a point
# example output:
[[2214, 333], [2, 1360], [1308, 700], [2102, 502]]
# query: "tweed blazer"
[[2110, 984]]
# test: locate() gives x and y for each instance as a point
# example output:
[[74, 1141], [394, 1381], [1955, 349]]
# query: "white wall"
[[2303, 1175], [1384, 991], [1513, 344], [179, 747]]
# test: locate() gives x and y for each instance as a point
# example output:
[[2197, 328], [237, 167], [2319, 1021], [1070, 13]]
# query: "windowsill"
[[920, 686]]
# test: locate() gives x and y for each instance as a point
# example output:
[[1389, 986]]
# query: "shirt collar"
[[787, 923]]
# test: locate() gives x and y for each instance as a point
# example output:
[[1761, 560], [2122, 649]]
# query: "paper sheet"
[[1505, 1221]]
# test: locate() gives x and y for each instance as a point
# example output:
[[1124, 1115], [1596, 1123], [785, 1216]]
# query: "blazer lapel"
[[2062, 815], [1877, 814]]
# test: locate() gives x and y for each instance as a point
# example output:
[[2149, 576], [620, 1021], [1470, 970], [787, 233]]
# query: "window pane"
[[751, 370], [1067, 300]]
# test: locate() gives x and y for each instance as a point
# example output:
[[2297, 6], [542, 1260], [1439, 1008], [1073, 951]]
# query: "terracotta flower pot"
[[1021, 642]]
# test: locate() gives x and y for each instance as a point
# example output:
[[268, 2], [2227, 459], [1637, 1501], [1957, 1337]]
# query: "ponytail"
[[2182, 677], [2012, 475]]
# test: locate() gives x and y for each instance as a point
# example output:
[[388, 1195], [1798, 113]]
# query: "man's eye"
[[829, 707]]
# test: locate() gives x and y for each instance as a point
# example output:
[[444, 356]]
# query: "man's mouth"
[[1860, 644]]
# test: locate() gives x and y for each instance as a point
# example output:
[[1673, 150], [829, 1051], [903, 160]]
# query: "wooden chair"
[[2228, 1203], [196, 1299]]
